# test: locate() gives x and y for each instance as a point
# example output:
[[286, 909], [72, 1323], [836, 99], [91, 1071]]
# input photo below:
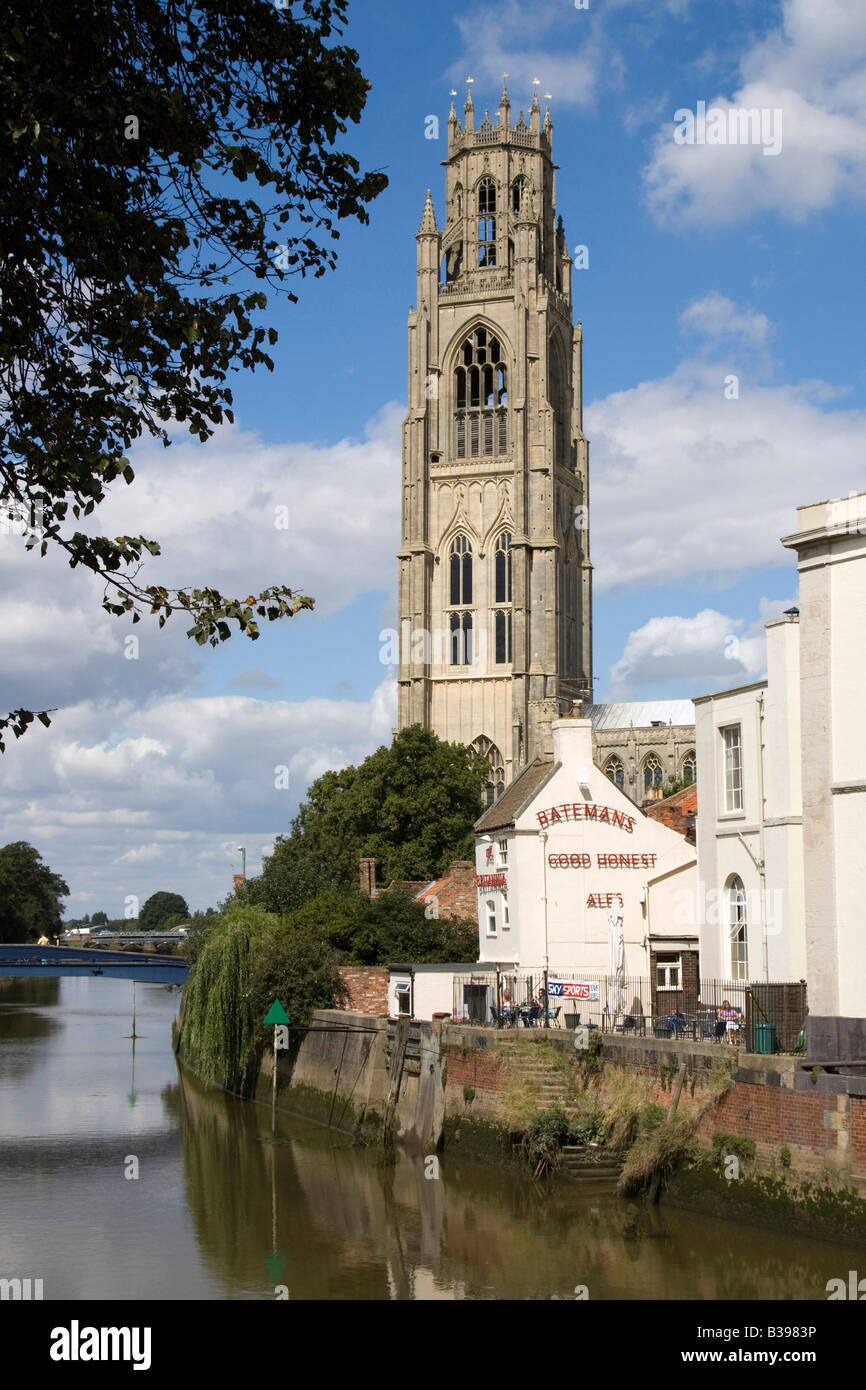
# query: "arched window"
[[689, 768], [570, 609], [461, 639], [502, 599], [503, 568], [615, 771], [518, 195], [495, 784], [486, 222], [481, 397], [739, 929], [460, 563], [652, 774]]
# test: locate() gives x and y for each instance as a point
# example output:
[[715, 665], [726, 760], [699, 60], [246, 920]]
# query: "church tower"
[[495, 577]]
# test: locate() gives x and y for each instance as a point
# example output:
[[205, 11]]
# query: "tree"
[[248, 958], [411, 807], [29, 894], [158, 908], [287, 881], [99, 919], [130, 248], [379, 931]]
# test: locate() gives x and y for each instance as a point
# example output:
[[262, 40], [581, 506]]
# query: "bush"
[[727, 1144], [542, 1143], [655, 1155], [652, 1116]]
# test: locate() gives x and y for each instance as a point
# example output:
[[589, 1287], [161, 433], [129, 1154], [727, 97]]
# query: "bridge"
[[51, 962]]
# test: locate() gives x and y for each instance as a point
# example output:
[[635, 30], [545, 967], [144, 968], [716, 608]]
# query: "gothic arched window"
[[460, 565], [486, 222], [615, 771], [571, 609], [519, 190], [689, 768], [495, 784], [481, 397], [502, 599], [652, 774], [461, 639], [739, 929], [503, 568]]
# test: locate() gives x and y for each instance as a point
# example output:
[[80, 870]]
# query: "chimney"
[[368, 877], [238, 878], [572, 744]]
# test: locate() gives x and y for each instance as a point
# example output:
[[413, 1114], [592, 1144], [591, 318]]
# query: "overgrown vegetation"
[[656, 1153], [542, 1142], [249, 959], [725, 1145]]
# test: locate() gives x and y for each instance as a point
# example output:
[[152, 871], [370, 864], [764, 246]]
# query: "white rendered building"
[[782, 794], [562, 850]]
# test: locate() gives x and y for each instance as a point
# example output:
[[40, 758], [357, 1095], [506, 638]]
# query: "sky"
[[707, 262]]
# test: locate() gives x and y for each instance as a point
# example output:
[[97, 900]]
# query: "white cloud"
[[687, 484], [717, 318], [212, 508], [568, 53], [692, 654], [812, 68], [165, 804]]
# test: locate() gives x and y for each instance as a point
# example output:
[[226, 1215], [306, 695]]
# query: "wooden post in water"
[[677, 1089], [398, 1055]]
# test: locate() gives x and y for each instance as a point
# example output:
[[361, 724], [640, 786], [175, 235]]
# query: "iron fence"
[[762, 1017]]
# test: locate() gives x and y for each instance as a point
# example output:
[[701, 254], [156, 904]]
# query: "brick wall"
[[368, 988], [455, 893], [480, 1069]]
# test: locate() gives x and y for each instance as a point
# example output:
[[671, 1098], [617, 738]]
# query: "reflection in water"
[[223, 1210], [347, 1227]]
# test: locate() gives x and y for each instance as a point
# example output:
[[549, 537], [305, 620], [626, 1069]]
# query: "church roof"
[[517, 795], [641, 713]]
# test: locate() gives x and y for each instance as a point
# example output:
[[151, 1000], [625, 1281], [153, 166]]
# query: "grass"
[[655, 1155]]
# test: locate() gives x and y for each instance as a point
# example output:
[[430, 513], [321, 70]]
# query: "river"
[[221, 1210]]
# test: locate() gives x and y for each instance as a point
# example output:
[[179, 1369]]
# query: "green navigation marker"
[[274, 1264], [276, 1014]]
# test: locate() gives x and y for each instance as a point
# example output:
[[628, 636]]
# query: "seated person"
[[728, 1022]]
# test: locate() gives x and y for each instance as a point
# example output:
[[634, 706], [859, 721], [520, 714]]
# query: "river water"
[[220, 1210]]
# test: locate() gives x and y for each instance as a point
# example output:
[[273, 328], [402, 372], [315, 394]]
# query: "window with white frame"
[[669, 971], [506, 921], [404, 998], [491, 917], [739, 928], [503, 852], [733, 767]]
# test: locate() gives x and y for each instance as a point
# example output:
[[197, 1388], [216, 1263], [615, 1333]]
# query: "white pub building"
[[564, 861]]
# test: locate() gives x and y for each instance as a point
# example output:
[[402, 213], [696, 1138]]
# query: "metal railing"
[[762, 1017]]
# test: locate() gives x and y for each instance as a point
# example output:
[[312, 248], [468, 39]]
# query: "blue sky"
[[703, 262]]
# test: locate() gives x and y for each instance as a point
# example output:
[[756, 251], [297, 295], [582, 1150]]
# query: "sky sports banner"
[[573, 989]]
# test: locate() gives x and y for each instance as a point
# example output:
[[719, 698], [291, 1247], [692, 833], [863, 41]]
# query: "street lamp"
[[243, 851]]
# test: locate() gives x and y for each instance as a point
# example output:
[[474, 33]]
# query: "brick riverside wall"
[[824, 1131], [484, 1072], [368, 988]]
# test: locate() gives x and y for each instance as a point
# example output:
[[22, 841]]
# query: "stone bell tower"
[[495, 576]]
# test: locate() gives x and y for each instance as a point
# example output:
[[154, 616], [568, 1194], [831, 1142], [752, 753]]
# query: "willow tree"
[[248, 959]]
